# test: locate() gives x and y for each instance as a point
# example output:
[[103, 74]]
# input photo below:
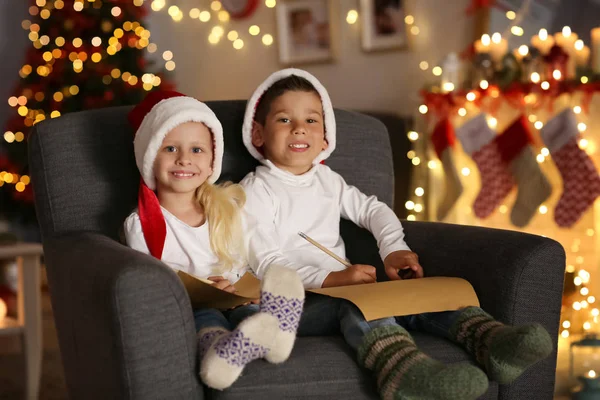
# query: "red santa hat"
[[328, 114], [158, 114]]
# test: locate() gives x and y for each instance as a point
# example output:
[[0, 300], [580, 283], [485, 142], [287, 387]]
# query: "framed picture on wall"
[[304, 30], [382, 25]]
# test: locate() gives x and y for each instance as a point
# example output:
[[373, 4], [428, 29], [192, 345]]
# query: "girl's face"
[[184, 161]]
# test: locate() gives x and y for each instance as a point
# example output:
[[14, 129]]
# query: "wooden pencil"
[[323, 249]]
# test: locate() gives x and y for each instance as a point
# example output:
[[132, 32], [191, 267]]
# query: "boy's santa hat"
[[328, 114], [158, 114]]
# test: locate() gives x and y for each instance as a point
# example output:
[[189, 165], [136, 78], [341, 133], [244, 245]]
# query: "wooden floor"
[[12, 368]]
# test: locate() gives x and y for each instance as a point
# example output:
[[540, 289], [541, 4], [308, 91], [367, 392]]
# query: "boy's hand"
[[403, 264], [222, 283], [354, 275]]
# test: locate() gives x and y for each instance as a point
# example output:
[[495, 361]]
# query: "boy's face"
[[184, 160], [294, 132]]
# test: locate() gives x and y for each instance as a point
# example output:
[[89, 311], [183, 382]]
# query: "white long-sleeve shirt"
[[188, 248], [285, 204]]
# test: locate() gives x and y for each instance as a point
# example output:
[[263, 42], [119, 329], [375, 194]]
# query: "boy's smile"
[[294, 132]]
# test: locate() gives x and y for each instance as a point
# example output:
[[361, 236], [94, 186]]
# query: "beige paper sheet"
[[204, 295], [406, 297], [375, 300]]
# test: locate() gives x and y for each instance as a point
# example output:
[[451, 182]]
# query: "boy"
[[289, 126]]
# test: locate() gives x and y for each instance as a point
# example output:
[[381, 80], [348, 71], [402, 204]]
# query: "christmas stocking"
[[581, 183], [443, 141], [533, 187], [480, 142]]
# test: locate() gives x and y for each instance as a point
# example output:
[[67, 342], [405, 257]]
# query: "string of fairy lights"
[[216, 11], [579, 53], [44, 9]]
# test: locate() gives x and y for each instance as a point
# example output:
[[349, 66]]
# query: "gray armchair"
[[124, 320]]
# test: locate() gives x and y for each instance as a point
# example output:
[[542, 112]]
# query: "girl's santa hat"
[[260, 91], [158, 114]]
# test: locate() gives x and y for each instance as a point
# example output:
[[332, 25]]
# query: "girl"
[[195, 226]]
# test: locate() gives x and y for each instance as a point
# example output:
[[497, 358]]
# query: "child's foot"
[[514, 349], [505, 351], [223, 354], [403, 372], [282, 295]]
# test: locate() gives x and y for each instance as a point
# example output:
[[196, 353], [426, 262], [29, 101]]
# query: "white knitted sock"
[[282, 295], [223, 355]]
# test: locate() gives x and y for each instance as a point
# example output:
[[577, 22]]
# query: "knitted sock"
[[282, 295], [533, 187], [505, 351], [480, 142], [405, 373], [581, 181], [443, 142], [223, 354]]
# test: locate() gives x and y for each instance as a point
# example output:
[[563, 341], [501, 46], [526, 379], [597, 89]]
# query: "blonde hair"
[[222, 206]]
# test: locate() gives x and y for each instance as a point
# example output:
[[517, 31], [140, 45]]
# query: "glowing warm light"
[[254, 30], [556, 74], [2, 309], [238, 44], [465, 171], [352, 17], [413, 136], [484, 84], [267, 40], [535, 77], [523, 50]]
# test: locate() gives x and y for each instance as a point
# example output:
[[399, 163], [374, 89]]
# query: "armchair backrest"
[[85, 179]]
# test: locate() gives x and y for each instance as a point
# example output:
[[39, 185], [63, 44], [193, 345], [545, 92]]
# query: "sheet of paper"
[[375, 300], [205, 295], [406, 297]]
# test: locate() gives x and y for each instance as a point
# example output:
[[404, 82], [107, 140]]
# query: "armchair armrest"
[[124, 321], [517, 277]]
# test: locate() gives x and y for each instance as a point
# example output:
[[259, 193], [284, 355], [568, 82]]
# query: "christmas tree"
[[86, 54]]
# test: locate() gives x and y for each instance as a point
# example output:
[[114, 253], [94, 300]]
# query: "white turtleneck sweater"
[[285, 204]]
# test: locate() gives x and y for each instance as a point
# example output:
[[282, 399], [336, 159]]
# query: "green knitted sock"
[[403, 372], [505, 351]]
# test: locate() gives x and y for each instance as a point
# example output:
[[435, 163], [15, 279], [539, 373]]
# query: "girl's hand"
[[222, 283]]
